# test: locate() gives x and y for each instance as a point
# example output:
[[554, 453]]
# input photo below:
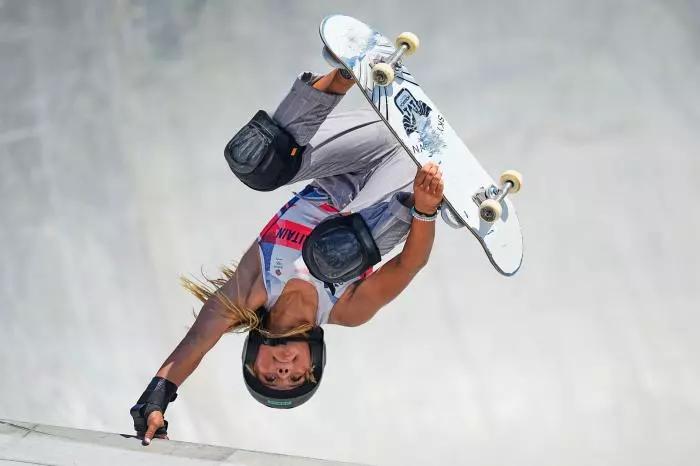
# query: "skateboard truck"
[[418, 127], [489, 200], [383, 72]]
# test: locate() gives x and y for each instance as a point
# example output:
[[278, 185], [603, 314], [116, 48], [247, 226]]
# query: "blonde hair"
[[245, 319]]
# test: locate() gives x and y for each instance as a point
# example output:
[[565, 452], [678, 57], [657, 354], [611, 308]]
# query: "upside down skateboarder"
[[312, 263]]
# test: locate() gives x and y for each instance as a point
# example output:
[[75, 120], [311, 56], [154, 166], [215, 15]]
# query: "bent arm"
[[364, 300], [359, 304], [149, 409]]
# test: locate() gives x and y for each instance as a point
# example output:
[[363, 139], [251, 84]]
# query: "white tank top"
[[280, 244]]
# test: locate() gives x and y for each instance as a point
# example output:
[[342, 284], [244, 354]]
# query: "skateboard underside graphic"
[[472, 198]]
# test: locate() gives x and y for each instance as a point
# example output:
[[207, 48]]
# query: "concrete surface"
[[113, 118], [26, 443]]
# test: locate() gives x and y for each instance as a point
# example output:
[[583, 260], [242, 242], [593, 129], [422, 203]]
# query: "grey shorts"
[[353, 157]]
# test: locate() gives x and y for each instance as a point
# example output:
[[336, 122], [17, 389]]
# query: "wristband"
[[158, 394], [423, 217]]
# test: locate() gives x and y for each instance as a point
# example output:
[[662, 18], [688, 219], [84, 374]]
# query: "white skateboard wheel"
[[382, 74], [410, 40], [490, 210], [514, 177], [450, 218]]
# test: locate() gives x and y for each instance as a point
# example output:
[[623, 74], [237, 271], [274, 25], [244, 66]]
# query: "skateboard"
[[472, 199]]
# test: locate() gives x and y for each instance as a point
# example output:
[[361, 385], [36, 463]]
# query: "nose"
[[283, 372]]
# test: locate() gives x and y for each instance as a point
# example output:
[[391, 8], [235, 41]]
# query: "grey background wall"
[[113, 117]]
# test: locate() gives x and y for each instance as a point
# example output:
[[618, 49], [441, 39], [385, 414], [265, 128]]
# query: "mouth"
[[285, 358]]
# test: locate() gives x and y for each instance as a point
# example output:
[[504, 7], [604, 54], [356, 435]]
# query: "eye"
[[270, 378], [297, 378]]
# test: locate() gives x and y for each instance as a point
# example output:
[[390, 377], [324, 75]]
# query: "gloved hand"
[[149, 410]]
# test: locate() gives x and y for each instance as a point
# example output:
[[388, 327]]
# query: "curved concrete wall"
[[112, 183]]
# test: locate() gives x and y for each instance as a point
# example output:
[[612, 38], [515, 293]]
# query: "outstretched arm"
[[212, 322], [214, 319], [148, 413], [366, 298]]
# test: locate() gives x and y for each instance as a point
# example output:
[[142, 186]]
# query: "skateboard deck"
[[426, 135]]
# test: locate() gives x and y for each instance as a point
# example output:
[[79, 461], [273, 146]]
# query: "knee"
[[340, 248], [405, 199], [263, 155]]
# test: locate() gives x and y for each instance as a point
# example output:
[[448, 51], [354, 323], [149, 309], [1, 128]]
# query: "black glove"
[[156, 397]]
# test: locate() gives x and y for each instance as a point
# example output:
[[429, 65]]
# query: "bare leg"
[[333, 83]]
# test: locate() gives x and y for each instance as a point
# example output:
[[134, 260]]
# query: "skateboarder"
[[312, 263]]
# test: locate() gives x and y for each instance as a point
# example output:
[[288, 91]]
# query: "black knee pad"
[[340, 248], [263, 155]]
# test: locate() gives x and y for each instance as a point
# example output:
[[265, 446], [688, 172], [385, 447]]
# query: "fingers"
[[420, 175], [150, 432], [428, 188], [429, 178], [426, 174], [155, 422], [435, 182]]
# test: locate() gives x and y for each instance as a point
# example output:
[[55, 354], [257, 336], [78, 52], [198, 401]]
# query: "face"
[[283, 367]]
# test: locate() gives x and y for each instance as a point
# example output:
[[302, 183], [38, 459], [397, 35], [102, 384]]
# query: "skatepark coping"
[[29, 443]]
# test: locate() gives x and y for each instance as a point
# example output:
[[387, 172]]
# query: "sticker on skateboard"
[[472, 198]]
